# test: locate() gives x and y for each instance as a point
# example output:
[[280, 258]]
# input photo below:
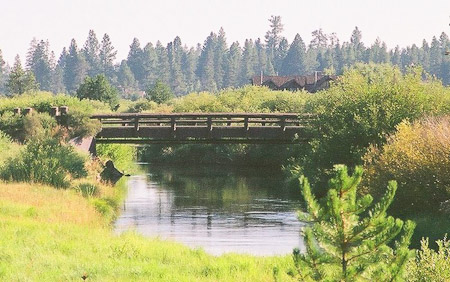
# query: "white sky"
[[401, 22]]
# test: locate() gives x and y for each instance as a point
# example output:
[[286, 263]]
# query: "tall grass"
[[55, 235]]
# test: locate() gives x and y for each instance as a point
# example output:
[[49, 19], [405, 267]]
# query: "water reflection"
[[218, 209]]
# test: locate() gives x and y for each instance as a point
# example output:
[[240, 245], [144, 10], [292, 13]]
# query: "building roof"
[[287, 82]]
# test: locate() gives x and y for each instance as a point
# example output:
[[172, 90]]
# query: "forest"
[[212, 65]]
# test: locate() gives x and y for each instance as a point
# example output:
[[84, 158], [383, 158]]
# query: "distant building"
[[310, 83]]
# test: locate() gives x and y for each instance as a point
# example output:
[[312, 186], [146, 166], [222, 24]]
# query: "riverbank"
[[53, 235]]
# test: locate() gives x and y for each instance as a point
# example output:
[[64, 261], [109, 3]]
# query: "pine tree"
[[91, 52], [175, 54], [162, 66], [107, 55], [2, 73], [135, 62], [357, 45], [435, 57], [273, 39], [38, 62], [249, 66], [188, 63], [75, 68], [295, 61], [396, 57], [344, 241], [20, 81], [149, 61], [220, 59], [125, 78], [233, 66], [98, 88], [280, 54], [205, 68]]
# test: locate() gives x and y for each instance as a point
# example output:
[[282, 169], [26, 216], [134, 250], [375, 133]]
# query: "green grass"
[[57, 235]]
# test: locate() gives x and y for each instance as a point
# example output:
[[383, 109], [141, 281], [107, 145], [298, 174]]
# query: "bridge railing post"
[[209, 123], [246, 123], [263, 123], [228, 121], [136, 124], [283, 123], [173, 126]]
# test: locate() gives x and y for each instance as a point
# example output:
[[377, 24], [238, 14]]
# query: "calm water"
[[218, 209]]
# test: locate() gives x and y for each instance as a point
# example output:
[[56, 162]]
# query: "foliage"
[[46, 161], [430, 265], [122, 155], [417, 156], [98, 88], [344, 241], [77, 122], [362, 108], [159, 93], [8, 148], [20, 81]]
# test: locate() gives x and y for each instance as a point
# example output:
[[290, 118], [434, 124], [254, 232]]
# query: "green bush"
[[430, 265], [77, 122], [98, 88], [8, 148], [87, 189], [122, 155], [418, 157], [362, 108], [45, 161]]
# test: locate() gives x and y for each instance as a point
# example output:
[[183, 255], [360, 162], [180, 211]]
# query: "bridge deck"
[[204, 128]]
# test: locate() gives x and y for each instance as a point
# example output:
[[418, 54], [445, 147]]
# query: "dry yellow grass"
[[50, 205]]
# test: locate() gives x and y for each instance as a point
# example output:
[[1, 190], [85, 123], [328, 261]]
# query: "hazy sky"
[[401, 22]]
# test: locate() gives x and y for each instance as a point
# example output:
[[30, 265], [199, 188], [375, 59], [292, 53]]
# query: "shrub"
[[98, 88], [347, 241], [430, 265], [45, 161], [159, 93], [362, 108], [8, 148], [418, 157], [87, 189], [122, 155]]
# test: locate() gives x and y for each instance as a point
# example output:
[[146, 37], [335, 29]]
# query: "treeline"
[[212, 66]]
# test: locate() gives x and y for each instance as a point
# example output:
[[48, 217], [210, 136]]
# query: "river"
[[218, 209]]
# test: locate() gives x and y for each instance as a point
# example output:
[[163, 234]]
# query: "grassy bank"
[[55, 235]]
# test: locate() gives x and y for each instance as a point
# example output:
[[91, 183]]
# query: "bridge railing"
[[208, 120]]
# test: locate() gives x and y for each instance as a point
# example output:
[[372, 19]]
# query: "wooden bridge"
[[207, 128]]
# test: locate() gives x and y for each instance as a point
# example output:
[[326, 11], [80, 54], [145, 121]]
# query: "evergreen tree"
[[159, 93], [91, 52], [163, 67], [220, 59], [57, 85], [206, 64], [435, 57], [20, 81], [107, 55], [2, 73], [396, 57], [98, 88], [357, 45], [175, 54], [294, 63], [188, 65], [38, 62], [149, 61], [135, 61], [280, 54], [273, 39], [249, 66], [345, 242], [75, 68], [233, 66], [125, 78], [444, 43], [424, 56]]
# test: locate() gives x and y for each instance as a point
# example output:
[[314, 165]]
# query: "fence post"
[[283, 123], [246, 123]]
